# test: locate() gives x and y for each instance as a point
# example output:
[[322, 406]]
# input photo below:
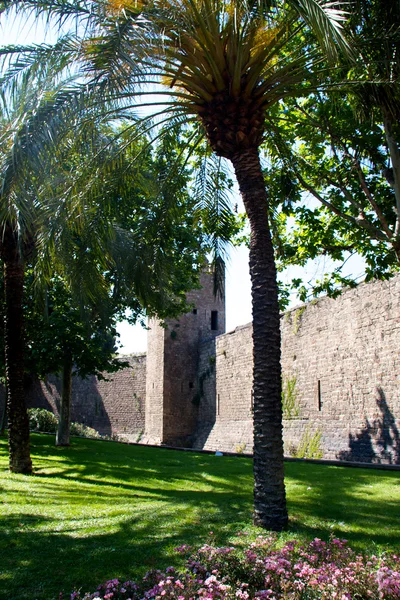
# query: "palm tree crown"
[[228, 62]]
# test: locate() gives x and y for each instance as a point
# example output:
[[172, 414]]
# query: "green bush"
[[45, 421], [290, 402], [41, 419], [310, 445], [84, 431]]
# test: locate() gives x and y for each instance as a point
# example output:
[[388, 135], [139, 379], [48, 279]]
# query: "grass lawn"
[[100, 510]]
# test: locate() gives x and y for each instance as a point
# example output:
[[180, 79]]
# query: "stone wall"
[[232, 396], [113, 406], [344, 355], [154, 384], [342, 358]]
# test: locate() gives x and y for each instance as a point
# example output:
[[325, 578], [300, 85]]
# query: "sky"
[[238, 295]]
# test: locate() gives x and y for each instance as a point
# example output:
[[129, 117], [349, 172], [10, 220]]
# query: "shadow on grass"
[[356, 504], [99, 510], [43, 563]]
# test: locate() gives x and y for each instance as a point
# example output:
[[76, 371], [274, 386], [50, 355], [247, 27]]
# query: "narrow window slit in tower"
[[214, 320], [194, 311], [218, 404], [319, 395]]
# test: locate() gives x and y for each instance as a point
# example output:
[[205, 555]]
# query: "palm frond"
[[326, 18]]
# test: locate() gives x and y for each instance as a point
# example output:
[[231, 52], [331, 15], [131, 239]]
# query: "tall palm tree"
[[220, 66], [18, 120], [28, 114], [227, 64]]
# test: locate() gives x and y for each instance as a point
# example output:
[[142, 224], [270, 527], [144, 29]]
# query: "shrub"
[[260, 570], [82, 430], [41, 419], [309, 445], [45, 421], [290, 401], [240, 448]]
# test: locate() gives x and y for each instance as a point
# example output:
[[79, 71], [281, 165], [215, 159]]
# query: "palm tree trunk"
[[4, 414], [64, 420], [269, 490], [18, 423]]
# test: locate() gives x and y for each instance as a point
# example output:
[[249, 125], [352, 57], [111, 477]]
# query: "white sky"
[[238, 298]]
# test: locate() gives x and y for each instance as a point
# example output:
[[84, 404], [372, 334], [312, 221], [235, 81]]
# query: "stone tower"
[[172, 366]]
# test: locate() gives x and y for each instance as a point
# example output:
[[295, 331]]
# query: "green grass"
[[100, 510]]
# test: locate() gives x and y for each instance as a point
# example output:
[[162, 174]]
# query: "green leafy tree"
[[68, 339], [341, 148]]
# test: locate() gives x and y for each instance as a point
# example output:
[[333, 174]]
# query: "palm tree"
[[227, 64], [72, 205], [221, 66], [17, 209], [28, 116]]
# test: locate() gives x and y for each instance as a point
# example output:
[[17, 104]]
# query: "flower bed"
[[261, 570]]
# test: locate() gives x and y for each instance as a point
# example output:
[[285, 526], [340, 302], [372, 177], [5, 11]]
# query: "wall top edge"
[[344, 292], [236, 329]]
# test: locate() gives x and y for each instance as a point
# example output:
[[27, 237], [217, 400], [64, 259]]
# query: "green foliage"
[[166, 243], [81, 430], [41, 419], [290, 401], [315, 142], [334, 159], [45, 421], [297, 318], [309, 445], [65, 330]]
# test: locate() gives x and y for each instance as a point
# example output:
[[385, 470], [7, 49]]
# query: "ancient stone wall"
[[341, 375], [233, 428], [344, 356], [113, 406], [206, 391], [341, 360]]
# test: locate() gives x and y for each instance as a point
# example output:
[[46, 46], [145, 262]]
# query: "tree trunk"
[[18, 423], [64, 420], [269, 490], [4, 414], [394, 151]]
